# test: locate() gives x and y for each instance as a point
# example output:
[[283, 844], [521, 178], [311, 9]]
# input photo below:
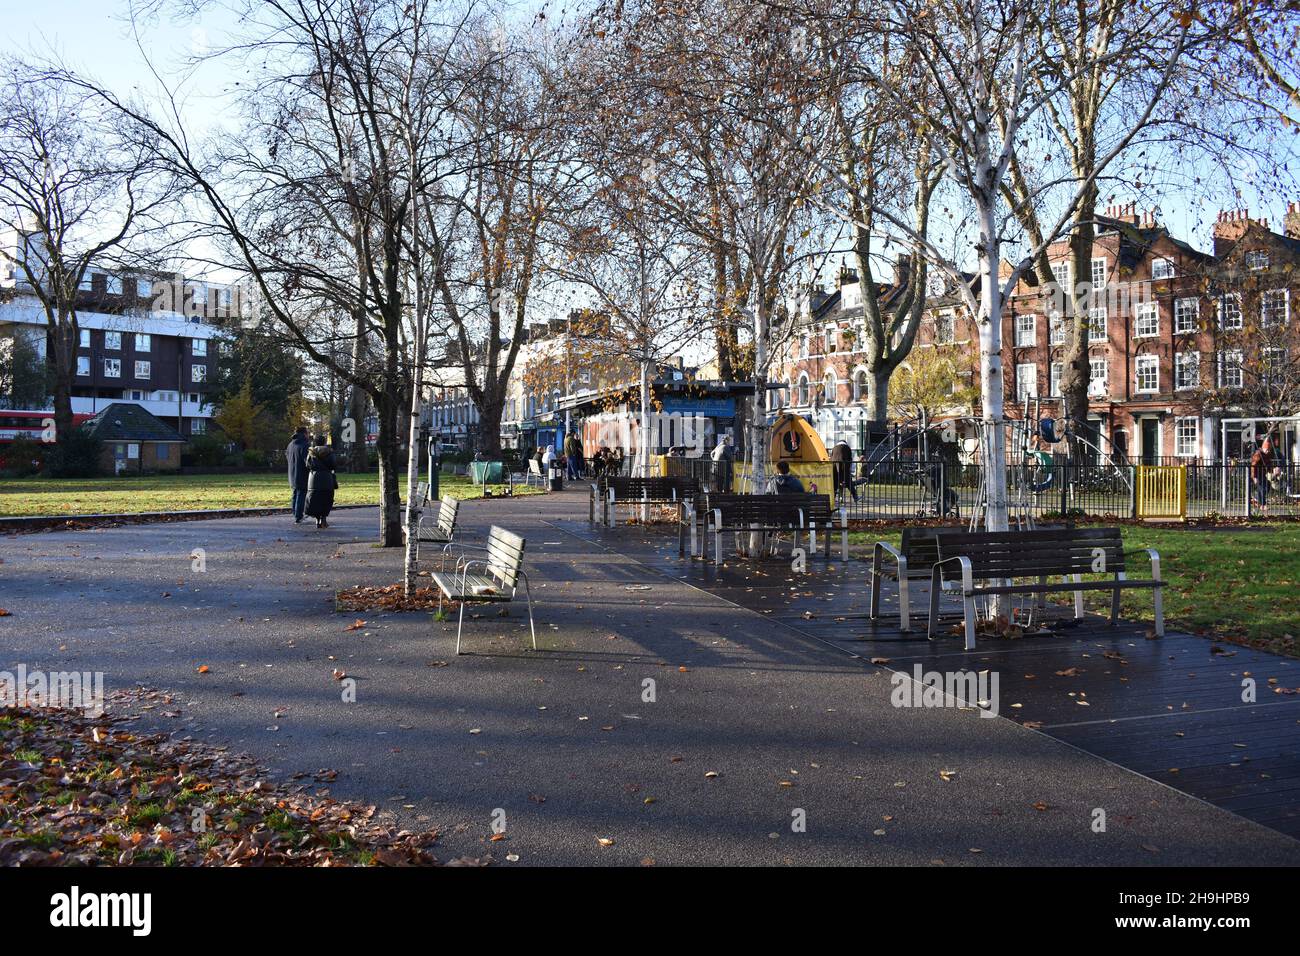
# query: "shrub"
[[254, 458], [75, 455], [22, 457], [206, 450]]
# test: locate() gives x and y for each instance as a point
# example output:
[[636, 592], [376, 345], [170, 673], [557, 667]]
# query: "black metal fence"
[[903, 489]]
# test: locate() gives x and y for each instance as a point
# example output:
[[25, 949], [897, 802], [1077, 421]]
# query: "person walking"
[[296, 456], [722, 457], [573, 455], [842, 467], [321, 481], [1261, 465]]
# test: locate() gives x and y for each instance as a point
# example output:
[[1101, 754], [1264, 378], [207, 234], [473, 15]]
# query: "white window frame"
[[143, 342], [830, 388], [1238, 321], [83, 338], [199, 347], [1054, 371], [199, 373], [1150, 366], [1231, 359], [1055, 329], [1182, 450], [1146, 320], [112, 341], [1159, 274], [1026, 384], [1257, 260], [1026, 330], [1181, 309], [143, 370], [1099, 263], [1265, 297], [112, 368], [1093, 336], [1182, 361], [1098, 385], [945, 328], [83, 364]]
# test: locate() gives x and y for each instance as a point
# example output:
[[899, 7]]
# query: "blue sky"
[[93, 37]]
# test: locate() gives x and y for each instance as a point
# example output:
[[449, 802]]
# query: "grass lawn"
[[1240, 582], [50, 496]]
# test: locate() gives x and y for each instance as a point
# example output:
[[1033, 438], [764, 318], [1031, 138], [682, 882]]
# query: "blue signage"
[[709, 407]]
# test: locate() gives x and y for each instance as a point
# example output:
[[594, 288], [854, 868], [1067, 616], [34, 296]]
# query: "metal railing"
[[903, 489]]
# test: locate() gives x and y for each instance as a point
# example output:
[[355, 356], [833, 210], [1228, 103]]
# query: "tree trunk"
[[991, 375], [390, 501], [489, 424], [63, 334], [1076, 371], [878, 395]]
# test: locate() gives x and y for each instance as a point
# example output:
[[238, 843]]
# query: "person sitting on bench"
[[785, 483]]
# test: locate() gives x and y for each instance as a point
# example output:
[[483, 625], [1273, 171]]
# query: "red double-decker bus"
[[25, 424]]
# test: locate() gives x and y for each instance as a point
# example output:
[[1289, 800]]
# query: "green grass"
[[1238, 582], [43, 497]]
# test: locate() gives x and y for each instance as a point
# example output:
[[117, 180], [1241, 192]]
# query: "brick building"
[[1178, 340], [145, 339]]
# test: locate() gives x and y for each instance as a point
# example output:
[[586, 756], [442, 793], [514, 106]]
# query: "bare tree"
[[78, 186], [978, 82], [316, 199]]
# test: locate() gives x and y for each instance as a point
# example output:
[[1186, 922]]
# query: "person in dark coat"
[[296, 456], [842, 465], [321, 481]]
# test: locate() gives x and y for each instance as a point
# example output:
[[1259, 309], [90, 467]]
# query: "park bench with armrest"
[[991, 562], [914, 558], [766, 514], [493, 578], [811, 511], [615, 490], [438, 529]]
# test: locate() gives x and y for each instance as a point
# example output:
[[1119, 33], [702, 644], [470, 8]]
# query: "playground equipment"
[[794, 440]]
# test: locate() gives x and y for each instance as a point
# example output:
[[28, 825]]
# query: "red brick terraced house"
[[1179, 340]]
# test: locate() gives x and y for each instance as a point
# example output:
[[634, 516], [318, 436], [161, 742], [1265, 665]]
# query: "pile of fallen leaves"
[[391, 597], [84, 791]]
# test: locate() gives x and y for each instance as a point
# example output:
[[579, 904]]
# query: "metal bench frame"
[[975, 570], [807, 519], [502, 566], [668, 490], [442, 530]]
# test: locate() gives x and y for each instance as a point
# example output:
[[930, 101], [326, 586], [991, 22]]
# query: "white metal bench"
[[494, 578], [439, 529]]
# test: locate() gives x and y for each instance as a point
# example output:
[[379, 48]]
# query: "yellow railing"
[[1162, 491]]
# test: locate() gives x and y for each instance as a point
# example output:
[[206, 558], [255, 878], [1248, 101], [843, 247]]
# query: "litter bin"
[[487, 472], [557, 478]]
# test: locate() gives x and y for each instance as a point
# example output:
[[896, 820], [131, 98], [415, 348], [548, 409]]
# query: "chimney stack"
[[1231, 225], [1291, 222]]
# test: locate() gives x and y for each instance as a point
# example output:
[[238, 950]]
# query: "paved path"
[[564, 741], [1219, 722]]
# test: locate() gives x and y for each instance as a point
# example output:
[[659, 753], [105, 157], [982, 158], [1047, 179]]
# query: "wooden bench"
[[498, 581], [990, 562], [914, 558], [441, 529], [766, 514], [615, 490], [817, 512]]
